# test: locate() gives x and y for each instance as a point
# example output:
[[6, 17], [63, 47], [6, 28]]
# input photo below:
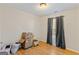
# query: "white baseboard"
[[73, 50], [43, 40]]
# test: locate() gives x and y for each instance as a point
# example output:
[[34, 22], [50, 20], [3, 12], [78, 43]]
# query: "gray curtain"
[[60, 38], [49, 32]]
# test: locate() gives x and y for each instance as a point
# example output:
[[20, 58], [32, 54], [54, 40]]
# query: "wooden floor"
[[45, 49]]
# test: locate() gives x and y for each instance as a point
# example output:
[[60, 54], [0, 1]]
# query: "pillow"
[[14, 48], [1, 45]]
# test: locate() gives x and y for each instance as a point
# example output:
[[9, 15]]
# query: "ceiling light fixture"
[[43, 5]]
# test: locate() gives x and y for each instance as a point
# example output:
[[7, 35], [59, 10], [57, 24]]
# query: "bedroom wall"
[[0, 25], [13, 22], [71, 27]]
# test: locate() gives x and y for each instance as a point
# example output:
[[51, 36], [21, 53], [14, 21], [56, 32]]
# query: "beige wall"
[[71, 27], [13, 22]]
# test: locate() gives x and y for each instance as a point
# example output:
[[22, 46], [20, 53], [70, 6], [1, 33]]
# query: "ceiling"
[[34, 7]]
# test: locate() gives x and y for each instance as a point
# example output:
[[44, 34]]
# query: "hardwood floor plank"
[[45, 49]]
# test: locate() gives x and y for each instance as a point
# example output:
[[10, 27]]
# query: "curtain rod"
[[56, 17]]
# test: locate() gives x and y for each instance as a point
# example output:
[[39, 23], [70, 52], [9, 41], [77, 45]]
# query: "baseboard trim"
[[72, 50], [43, 40]]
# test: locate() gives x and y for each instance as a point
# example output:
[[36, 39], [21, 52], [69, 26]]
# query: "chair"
[[29, 40]]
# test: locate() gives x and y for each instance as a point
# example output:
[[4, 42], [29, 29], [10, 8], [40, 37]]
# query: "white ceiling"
[[34, 7]]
